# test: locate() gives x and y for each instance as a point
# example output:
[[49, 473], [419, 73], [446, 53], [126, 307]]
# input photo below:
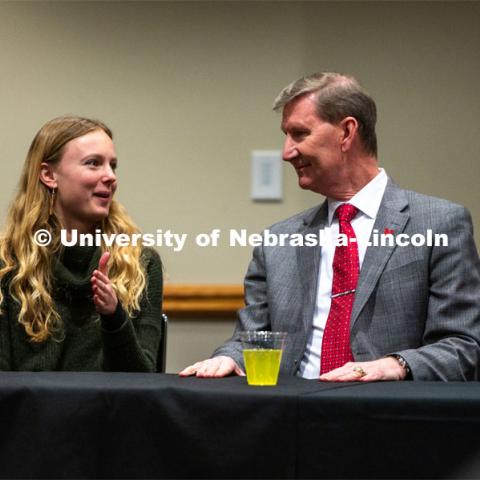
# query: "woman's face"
[[86, 181]]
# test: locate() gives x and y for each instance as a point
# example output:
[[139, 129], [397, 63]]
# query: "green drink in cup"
[[262, 352]]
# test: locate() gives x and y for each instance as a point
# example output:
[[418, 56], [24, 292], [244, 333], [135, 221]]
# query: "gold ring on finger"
[[359, 371]]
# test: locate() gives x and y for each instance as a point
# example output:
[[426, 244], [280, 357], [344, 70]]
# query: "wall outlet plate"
[[267, 178]]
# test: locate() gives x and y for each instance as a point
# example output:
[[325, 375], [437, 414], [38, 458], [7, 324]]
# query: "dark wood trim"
[[200, 300]]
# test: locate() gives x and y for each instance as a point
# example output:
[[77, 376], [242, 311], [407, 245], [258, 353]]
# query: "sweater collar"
[[74, 266]]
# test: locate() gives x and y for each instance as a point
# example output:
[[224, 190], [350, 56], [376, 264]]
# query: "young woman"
[[73, 307]]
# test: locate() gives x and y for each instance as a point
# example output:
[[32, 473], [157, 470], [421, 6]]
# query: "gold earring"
[[52, 201]]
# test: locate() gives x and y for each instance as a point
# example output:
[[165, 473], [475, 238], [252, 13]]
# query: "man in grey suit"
[[416, 306]]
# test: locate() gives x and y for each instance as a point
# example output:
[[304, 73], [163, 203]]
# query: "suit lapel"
[[391, 215], [308, 262]]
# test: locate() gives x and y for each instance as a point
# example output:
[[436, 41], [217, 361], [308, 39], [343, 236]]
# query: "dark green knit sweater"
[[92, 342]]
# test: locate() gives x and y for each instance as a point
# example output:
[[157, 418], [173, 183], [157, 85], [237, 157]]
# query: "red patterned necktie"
[[336, 349]]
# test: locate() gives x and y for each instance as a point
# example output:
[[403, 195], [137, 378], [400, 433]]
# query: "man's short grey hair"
[[338, 96]]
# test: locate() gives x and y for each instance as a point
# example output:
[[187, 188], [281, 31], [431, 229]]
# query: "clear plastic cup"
[[262, 353]]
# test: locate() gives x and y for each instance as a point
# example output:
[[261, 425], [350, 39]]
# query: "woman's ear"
[[48, 176]]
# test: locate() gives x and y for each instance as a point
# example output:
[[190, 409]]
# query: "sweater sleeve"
[[5, 348], [131, 344]]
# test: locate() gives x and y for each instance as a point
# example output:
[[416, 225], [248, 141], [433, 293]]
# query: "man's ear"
[[48, 176], [349, 126]]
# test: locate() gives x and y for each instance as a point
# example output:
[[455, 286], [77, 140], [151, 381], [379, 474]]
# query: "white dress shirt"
[[367, 200]]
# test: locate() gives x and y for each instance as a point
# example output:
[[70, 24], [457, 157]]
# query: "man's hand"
[[213, 368], [104, 297], [382, 369]]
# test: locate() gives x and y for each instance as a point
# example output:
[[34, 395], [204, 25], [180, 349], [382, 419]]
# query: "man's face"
[[312, 146]]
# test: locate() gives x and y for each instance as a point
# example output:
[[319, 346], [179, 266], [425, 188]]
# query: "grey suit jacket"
[[420, 302]]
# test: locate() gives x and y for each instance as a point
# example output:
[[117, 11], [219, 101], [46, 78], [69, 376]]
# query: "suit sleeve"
[[255, 315], [451, 342], [132, 344]]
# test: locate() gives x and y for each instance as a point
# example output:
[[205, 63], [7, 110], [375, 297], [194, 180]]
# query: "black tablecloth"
[[104, 425]]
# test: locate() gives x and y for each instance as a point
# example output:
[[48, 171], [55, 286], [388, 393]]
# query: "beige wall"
[[187, 89]]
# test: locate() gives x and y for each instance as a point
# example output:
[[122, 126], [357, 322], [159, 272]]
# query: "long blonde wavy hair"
[[29, 267]]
